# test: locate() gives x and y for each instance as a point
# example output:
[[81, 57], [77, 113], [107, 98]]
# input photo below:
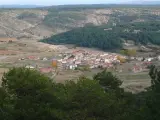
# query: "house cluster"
[[86, 58], [141, 67], [146, 59], [80, 59], [34, 58]]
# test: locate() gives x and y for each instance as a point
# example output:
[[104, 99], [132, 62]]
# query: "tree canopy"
[[29, 95], [106, 38]]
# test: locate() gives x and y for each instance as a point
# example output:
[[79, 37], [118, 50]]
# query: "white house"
[[30, 67], [149, 59], [44, 59], [72, 67]]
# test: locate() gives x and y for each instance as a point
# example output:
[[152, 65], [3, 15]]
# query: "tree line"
[[106, 38], [98, 6], [29, 95]]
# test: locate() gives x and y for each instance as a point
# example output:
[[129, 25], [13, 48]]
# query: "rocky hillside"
[[16, 23], [44, 22], [35, 23], [71, 18]]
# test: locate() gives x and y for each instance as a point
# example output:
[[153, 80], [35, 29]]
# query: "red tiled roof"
[[32, 57], [46, 70]]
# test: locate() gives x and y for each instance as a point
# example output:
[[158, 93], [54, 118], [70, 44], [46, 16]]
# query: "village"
[[66, 63], [75, 59], [87, 60]]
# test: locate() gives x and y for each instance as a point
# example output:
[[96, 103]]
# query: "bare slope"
[[69, 19], [34, 23], [39, 23], [12, 26]]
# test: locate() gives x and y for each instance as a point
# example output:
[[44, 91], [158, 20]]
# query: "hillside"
[[11, 25], [69, 19], [43, 22], [108, 29], [145, 2], [106, 38], [38, 23]]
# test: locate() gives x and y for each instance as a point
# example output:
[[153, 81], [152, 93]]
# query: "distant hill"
[[144, 2], [20, 6], [17, 21]]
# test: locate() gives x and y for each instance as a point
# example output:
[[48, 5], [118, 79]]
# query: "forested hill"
[[109, 37], [89, 36]]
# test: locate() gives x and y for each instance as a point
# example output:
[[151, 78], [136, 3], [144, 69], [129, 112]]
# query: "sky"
[[62, 2]]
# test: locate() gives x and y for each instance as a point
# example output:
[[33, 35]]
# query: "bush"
[[30, 94], [27, 94]]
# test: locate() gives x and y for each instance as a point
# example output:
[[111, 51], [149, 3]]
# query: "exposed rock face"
[[11, 26], [34, 27]]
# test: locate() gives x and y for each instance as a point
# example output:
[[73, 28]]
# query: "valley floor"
[[39, 56]]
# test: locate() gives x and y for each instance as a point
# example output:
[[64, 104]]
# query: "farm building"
[[33, 58], [7, 39], [46, 70]]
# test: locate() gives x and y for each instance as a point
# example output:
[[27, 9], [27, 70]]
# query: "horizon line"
[[77, 4]]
